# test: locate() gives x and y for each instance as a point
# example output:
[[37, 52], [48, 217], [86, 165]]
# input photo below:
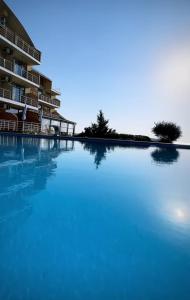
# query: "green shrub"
[[142, 138], [126, 136], [167, 131], [100, 129]]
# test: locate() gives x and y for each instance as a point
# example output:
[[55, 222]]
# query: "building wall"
[[22, 62]]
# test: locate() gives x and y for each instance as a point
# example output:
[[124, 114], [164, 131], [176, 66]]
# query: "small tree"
[[99, 129], [167, 131]]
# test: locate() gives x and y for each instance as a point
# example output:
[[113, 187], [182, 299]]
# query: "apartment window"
[[17, 92]]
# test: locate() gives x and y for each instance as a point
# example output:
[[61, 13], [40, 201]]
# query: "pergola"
[[62, 125]]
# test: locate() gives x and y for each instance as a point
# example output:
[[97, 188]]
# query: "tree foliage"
[[100, 128], [167, 131]]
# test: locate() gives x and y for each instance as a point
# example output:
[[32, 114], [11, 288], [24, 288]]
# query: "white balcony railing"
[[17, 40], [28, 127], [22, 126], [8, 125], [51, 116], [30, 101], [9, 65], [47, 99], [5, 94], [24, 99]]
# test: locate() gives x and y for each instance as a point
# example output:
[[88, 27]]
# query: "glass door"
[[17, 93], [19, 68]]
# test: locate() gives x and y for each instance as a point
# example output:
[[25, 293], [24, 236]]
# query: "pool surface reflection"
[[93, 221]]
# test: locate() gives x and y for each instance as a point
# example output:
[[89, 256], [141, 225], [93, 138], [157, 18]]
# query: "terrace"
[[15, 39], [7, 94], [48, 100], [8, 65], [19, 126]]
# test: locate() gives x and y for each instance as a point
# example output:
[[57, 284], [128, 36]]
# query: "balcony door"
[[19, 68], [17, 93]]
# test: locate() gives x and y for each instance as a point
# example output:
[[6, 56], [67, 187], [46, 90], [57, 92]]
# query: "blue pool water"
[[92, 221]]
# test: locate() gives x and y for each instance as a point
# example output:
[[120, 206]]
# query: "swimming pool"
[[93, 221]]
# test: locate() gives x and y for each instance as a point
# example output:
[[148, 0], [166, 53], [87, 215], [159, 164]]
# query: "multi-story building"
[[28, 102]]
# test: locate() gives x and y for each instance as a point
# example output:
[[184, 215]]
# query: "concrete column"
[[74, 129], [41, 119], [67, 128], [49, 125]]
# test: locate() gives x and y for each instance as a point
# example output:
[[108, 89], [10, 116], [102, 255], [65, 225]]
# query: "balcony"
[[20, 43], [54, 102], [29, 101], [6, 94], [53, 116], [9, 65]]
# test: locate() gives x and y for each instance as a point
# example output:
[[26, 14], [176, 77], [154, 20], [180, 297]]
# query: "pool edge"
[[101, 140]]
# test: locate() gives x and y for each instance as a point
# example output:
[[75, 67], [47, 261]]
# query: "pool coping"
[[101, 140]]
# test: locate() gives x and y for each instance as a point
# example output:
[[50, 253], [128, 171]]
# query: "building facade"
[[28, 101]]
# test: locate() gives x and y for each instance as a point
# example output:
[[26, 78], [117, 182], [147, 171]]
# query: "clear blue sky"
[[129, 58]]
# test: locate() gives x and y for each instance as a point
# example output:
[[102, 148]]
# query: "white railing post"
[[19, 125]]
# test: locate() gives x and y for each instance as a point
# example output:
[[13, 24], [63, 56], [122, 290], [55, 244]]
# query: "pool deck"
[[115, 142]]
